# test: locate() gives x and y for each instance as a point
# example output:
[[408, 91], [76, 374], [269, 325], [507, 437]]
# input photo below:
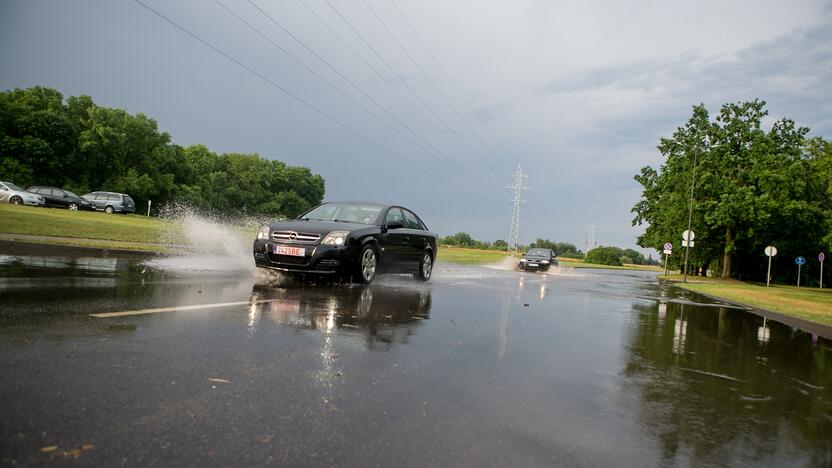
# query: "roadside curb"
[[824, 331]]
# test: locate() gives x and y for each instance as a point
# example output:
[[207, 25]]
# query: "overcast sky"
[[577, 92]]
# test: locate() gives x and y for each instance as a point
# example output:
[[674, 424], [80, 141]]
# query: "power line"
[[447, 77], [292, 95], [403, 81], [337, 89], [429, 79]]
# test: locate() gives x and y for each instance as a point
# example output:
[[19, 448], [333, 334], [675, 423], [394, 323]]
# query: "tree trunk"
[[726, 258]]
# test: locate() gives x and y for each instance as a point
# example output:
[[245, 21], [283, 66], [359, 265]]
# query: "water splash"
[[212, 247]]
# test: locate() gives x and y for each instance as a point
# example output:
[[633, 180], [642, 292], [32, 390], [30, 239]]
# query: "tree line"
[[751, 187], [463, 239], [78, 145]]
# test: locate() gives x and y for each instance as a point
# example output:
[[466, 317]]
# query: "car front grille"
[[288, 259], [296, 237]]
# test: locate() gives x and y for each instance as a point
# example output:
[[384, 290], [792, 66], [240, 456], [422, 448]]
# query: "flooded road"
[[480, 367]]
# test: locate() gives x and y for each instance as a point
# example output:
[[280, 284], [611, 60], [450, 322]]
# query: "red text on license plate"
[[293, 251]]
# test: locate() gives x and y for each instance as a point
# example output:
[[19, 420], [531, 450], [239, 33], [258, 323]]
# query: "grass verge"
[[96, 229], [578, 263], [469, 256], [810, 304], [85, 225]]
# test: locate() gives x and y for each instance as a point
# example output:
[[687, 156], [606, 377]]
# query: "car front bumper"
[[319, 259], [534, 266]]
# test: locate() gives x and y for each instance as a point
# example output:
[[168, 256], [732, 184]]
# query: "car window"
[[12, 186], [349, 212], [113, 197], [100, 196], [47, 192], [127, 199], [410, 220], [33, 189], [538, 252], [393, 214], [70, 194]]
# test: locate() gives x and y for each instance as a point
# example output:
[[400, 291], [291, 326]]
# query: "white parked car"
[[11, 193]]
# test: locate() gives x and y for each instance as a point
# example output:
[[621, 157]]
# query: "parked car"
[[354, 240], [11, 193], [60, 198], [538, 259], [111, 202]]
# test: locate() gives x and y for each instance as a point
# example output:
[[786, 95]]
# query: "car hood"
[[535, 257], [318, 227]]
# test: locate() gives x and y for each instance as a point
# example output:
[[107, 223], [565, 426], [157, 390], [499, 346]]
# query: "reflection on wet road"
[[480, 366]]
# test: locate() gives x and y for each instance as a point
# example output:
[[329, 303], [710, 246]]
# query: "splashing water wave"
[[214, 248]]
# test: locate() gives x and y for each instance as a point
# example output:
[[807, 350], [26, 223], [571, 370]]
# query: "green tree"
[[605, 256]]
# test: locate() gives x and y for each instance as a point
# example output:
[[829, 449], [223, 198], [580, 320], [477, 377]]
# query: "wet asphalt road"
[[479, 367]]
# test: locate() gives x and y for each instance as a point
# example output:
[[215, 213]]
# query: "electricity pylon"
[[518, 179]]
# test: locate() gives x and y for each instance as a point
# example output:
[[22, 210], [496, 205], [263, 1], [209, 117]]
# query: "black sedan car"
[[353, 240], [538, 259], [60, 198]]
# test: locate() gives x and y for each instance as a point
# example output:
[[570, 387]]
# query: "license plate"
[[293, 251]]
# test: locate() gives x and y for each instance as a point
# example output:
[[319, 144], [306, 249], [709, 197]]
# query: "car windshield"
[[538, 253], [13, 186], [70, 194], [345, 212]]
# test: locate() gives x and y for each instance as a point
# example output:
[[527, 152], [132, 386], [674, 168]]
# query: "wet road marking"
[[160, 310]]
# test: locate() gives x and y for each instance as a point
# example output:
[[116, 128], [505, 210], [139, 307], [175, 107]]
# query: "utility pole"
[[690, 215], [517, 187], [591, 243]]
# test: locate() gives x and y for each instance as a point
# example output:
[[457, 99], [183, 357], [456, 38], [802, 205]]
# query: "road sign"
[[668, 251], [669, 246], [688, 235], [799, 261], [770, 251], [821, 257], [687, 243]]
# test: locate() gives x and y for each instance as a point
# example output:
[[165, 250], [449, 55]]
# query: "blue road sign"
[[800, 261]]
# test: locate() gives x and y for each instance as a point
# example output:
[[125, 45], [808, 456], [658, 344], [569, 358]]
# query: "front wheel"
[[72, 207], [16, 201], [108, 210], [425, 267], [367, 264]]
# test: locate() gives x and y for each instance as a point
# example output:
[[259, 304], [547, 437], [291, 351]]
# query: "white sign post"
[[821, 258], [800, 261], [687, 243], [668, 249], [770, 252], [148, 208]]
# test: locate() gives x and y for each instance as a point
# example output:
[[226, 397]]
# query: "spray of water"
[[211, 246]]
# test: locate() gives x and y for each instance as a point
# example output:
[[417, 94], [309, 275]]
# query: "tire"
[[108, 209], [72, 207], [16, 200], [367, 265], [425, 267]]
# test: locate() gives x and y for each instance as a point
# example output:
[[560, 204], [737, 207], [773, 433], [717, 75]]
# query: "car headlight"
[[545, 262], [522, 260], [263, 233], [335, 238]]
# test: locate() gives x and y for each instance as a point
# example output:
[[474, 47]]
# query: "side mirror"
[[395, 224], [4, 189]]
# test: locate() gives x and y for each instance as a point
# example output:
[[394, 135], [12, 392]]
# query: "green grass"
[[470, 256], [811, 304], [95, 229], [577, 263], [85, 225]]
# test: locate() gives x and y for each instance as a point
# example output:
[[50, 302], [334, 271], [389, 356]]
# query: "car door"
[[48, 196], [416, 239], [60, 198], [394, 241], [4, 193]]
